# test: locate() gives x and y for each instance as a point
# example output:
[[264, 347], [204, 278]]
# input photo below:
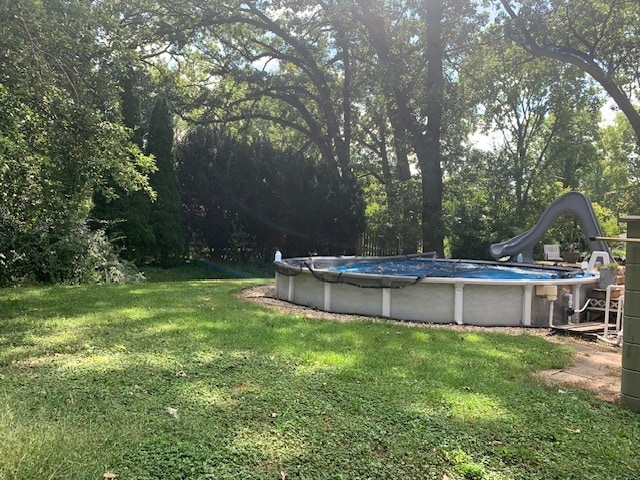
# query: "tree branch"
[[581, 60]]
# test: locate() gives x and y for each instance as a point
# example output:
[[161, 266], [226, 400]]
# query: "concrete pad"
[[597, 368]]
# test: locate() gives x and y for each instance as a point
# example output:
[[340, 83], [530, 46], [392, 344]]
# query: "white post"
[[292, 288], [526, 305], [577, 301], [459, 302], [327, 297], [386, 302]]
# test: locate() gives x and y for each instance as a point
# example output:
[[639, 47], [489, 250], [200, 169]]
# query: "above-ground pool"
[[422, 288]]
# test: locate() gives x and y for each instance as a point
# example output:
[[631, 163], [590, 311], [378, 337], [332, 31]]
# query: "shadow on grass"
[[186, 381], [204, 269]]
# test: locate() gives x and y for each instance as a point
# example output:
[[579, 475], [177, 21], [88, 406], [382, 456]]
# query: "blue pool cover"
[[454, 269]]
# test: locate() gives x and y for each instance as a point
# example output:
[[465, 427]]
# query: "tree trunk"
[[425, 144], [430, 155], [400, 144]]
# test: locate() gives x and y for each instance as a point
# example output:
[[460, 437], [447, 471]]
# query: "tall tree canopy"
[[598, 36], [310, 68], [246, 198], [165, 219], [545, 115]]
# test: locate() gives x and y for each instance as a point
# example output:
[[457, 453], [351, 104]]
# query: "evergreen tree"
[[165, 219], [242, 199], [126, 217]]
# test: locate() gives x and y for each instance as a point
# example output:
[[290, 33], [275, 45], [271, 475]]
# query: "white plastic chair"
[[552, 252]]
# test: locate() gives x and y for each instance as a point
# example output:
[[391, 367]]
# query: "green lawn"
[[183, 380]]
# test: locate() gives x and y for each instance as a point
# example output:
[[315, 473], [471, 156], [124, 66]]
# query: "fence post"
[[630, 381]]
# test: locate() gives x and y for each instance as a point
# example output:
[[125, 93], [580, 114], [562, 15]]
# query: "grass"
[[183, 380], [206, 269]]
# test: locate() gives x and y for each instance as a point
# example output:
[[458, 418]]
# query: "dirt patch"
[[596, 368]]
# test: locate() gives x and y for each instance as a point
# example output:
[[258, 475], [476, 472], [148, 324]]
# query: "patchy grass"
[[183, 380]]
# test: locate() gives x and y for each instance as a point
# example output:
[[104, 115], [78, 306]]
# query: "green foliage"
[[339, 82], [60, 124], [393, 213], [558, 29], [58, 250], [613, 181], [126, 215], [166, 218], [126, 221], [245, 199], [608, 220], [479, 206], [465, 465], [545, 114], [60, 140], [184, 380], [148, 229]]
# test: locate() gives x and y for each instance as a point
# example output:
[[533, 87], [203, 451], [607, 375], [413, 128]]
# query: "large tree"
[[126, 215], [398, 78], [55, 69], [416, 45], [598, 36], [543, 116], [317, 71], [288, 65], [165, 219]]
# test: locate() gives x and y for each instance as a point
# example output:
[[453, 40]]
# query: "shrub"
[[58, 249]]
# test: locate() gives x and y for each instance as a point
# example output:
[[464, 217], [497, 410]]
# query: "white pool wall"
[[435, 300]]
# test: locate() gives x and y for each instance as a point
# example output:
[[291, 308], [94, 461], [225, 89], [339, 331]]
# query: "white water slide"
[[572, 203]]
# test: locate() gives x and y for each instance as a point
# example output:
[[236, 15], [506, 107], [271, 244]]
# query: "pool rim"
[[285, 268]]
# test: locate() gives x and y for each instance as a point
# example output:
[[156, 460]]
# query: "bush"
[[58, 250]]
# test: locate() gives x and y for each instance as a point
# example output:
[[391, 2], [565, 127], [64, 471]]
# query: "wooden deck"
[[584, 327], [587, 330]]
